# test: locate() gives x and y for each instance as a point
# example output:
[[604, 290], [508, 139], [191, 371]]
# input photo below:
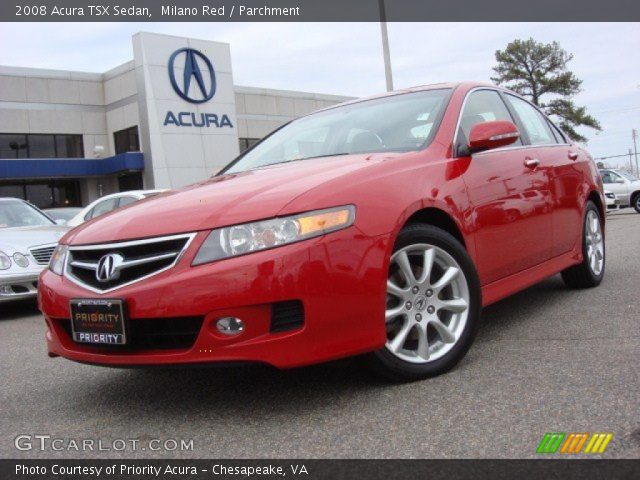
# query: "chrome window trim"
[[521, 147], [497, 90], [107, 246]]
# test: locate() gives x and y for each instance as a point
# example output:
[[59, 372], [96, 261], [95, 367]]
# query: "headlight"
[[252, 237], [20, 260], [5, 261], [56, 264]]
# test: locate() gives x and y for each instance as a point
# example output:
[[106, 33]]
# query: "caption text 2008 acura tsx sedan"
[[380, 226]]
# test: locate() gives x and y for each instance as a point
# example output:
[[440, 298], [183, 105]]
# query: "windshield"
[[399, 123], [15, 213], [63, 213], [628, 176]]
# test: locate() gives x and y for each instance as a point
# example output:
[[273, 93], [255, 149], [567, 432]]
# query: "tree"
[[539, 72]]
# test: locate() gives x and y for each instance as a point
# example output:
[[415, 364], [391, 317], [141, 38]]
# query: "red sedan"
[[380, 226]]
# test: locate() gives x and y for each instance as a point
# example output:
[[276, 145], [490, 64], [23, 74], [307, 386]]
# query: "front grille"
[[131, 261], [179, 333], [286, 316], [42, 255]]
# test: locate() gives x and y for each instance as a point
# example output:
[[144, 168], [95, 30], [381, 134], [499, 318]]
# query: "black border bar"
[[319, 10], [332, 469]]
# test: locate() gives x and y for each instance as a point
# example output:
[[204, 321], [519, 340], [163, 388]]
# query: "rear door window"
[[610, 177], [104, 207], [126, 201], [534, 122]]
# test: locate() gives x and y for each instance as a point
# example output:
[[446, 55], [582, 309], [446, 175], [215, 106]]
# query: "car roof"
[[417, 88], [11, 199], [129, 193]]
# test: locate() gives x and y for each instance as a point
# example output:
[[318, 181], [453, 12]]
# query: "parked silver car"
[[624, 186], [27, 240]]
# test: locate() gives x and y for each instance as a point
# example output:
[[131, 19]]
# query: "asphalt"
[[548, 359]]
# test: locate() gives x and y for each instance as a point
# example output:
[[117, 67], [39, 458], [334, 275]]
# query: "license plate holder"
[[98, 321]]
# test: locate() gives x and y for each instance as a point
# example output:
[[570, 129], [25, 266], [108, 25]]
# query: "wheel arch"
[[596, 197], [438, 218]]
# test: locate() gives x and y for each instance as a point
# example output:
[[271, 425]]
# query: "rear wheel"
[[590, 271], [433, 305]]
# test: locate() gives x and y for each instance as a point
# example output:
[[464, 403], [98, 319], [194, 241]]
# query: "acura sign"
[[193, 78]]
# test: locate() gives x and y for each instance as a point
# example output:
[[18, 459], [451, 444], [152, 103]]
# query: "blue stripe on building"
[[70, 167]]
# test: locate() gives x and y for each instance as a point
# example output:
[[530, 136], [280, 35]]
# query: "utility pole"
[[634, 135], [631, 161], [385, 46]]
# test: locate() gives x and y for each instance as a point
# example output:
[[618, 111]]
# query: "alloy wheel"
[[427, 303], [595, 242]]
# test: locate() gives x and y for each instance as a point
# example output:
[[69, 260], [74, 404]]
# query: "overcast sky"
[[346, 58]]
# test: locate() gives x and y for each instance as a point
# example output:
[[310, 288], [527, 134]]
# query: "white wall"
[[51, 101], [179, 155]]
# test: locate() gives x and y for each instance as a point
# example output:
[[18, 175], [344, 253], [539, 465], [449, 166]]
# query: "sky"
[[346, 58]]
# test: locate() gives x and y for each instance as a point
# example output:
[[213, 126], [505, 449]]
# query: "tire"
[[635, 202], [585, 275], [431, 308]]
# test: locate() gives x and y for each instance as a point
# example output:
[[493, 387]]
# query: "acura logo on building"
[[109, 267], [192, 72]]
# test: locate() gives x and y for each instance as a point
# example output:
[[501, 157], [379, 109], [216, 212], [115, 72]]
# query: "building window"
[[247, 143], [69, 146], [44, 194], [127, 140], [36, 145]]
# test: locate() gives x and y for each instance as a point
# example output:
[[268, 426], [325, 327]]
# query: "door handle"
[[531, 163], [573, 155]]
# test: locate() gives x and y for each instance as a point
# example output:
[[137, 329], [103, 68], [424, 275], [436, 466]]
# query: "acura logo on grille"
[[109, 267]]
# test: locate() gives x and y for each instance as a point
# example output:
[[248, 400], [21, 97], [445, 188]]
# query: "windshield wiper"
[[322, 156]]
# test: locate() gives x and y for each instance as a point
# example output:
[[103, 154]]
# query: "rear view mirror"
[[494, 134]]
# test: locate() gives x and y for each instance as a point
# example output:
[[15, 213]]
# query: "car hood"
[[20, 239], [222, 200]]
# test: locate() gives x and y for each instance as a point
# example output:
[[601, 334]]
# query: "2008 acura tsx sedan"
[[380, 226]]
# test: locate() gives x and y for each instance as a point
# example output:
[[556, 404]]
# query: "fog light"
[[230, 325], [6, 290]]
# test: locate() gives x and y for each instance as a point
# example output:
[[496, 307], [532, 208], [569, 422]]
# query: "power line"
[[611, 156]]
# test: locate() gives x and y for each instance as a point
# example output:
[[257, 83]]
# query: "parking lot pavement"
[[546, 360]]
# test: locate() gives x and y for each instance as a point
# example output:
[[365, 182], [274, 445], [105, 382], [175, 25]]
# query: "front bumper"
[[339, 278], [18, 286]]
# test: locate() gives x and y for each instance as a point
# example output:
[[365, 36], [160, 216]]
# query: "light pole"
[[634, 135], [385, 46]]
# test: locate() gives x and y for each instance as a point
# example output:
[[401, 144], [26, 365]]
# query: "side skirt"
[[502, 288]]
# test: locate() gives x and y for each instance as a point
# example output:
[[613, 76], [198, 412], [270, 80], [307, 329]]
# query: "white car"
[[611, 200], [62, 215], [110, 202], [623, 185], [27, 240]]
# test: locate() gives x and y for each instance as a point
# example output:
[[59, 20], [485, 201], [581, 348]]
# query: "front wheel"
[[635, 202], [590, 271], [432, 306]]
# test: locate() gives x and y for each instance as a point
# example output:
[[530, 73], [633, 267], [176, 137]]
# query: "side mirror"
[[494, 134], [618, 180], [61, 222]]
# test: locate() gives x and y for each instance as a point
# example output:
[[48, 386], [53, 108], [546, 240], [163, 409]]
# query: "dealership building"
[[170, 117]]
